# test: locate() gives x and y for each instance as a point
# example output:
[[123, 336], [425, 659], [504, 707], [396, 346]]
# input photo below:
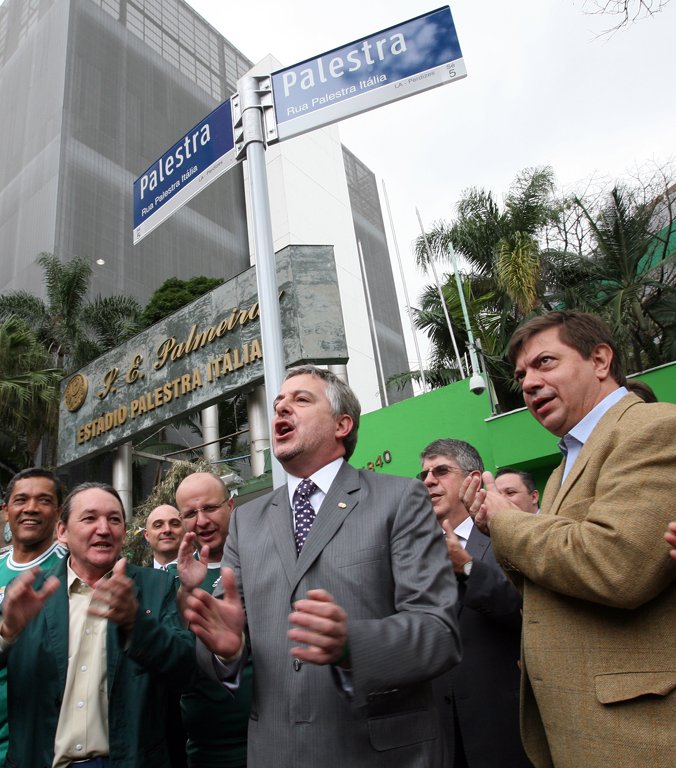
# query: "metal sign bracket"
[[254, 94]]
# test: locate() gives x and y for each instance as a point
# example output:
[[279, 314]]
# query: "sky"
[[544, 86]]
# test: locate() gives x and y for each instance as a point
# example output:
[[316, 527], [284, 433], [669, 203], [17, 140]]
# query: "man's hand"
[[321, 625], [217, 623], [456, 554], [114, 598], [23, 603], [483, 503], [191, 572], [670, 536]]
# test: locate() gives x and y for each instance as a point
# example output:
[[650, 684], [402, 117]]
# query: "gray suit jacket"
[[479, 699], [375, 547]]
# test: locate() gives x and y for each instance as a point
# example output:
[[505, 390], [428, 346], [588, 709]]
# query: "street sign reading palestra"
[[399, 61], [195, 160]]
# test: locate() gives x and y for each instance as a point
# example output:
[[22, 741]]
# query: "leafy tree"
[[174, 294], [72, 329], [610, 252], [629, 275], [501, 246], [29, 393]]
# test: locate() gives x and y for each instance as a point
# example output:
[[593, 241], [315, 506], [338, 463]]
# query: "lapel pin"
[[341, 505]]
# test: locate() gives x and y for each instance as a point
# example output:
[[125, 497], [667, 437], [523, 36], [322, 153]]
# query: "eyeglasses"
[[208, 509], [441, 471]]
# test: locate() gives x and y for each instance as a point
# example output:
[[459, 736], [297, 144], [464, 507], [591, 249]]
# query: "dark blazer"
[[161, 653], [376, 548], [480, 697]]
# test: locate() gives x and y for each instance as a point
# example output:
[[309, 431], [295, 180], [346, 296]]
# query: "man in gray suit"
[[343, 679], [479, 699]]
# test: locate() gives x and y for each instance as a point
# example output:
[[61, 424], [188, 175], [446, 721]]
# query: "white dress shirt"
[[571, 443]]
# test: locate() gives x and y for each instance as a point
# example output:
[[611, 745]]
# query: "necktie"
[[303, 512]]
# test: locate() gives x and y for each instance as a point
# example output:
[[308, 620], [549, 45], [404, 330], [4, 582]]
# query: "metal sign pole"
[[250, 142]]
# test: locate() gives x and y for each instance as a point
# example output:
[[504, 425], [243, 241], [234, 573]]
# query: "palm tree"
[[630, 276], [73, 329], [70, 331], [501, 247], [29, 392], [507, 269]]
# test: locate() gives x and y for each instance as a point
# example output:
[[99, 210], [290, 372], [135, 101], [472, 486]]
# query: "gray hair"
[[340, 396], [465, 455]]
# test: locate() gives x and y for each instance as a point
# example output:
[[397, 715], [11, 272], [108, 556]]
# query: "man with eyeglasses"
[[31, 509], [215, 720], [478, 700]]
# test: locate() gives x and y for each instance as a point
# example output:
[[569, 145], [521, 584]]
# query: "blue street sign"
[[197, 159], [405, 59]]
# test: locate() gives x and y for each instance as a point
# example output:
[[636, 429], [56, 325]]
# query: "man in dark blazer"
[[92, 649], [479, 699], [347, 622]]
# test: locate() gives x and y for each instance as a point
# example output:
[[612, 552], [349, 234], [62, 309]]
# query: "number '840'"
[[384, 458]]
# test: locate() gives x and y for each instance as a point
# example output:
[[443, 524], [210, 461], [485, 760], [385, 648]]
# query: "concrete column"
[[212, 452], [122, 477], [259, 429], [340, 371]]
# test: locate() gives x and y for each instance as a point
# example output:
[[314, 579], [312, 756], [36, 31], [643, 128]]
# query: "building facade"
[[93, 92]]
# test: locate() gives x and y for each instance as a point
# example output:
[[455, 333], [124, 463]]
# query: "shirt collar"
[[463, 530], [322, 478], [583, 429], [75, 583]]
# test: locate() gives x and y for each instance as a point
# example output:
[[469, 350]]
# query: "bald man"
[[164, 533], [215, 720]]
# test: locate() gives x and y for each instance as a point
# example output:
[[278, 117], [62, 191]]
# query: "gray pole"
[[122, 477], [470, 336], [249, 97], [403, 282], [430, 260]]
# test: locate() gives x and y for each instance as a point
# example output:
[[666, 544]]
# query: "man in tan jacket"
[[599, 604]]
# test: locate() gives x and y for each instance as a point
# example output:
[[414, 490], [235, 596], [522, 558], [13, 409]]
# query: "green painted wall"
[[400, 432]]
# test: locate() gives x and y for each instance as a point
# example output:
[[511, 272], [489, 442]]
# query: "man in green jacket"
[[91, 650], [31, 508]]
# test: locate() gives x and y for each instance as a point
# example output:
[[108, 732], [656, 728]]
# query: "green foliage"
[[66, 331], [174, 294], [613, 254], [631, 272], [72, 329], [506, 264], [29, 392]]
